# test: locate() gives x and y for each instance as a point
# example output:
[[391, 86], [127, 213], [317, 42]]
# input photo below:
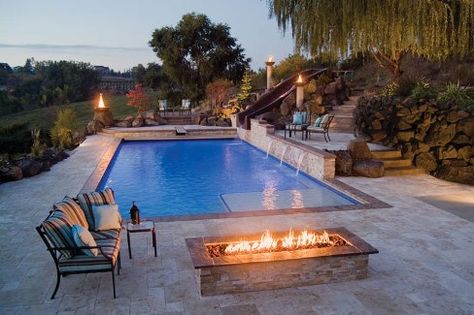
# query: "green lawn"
[[44, 118]]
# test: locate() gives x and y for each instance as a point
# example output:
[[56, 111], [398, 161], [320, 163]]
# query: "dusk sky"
[[115, 33]]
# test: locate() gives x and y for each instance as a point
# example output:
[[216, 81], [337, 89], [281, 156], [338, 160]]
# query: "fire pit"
[[278, 260]]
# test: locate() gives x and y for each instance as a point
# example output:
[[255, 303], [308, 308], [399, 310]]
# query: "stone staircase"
[[395, 164], [343, 121]]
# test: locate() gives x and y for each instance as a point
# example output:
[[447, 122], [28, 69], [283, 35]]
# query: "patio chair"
[[321, 125], [56, 233], [301, 120], [163, 106]]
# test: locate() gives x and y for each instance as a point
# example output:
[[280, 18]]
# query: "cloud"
[[68, 47]]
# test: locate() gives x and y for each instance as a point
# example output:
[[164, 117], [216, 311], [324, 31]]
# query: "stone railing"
[[312, 161]]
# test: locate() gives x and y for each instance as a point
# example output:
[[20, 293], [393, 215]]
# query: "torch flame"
[[300, 79], [101, 102], [270, 59]]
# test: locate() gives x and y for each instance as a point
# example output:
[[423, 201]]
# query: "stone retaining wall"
[[314, 162]]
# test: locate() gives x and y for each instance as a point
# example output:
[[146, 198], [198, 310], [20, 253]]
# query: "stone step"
[[343, 111], [406, 170], [349, 103], [386, 154], [395, 163], [354, 98]]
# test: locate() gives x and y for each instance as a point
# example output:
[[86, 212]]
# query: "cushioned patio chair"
[[301, 120], [321, 125], [56, 231]]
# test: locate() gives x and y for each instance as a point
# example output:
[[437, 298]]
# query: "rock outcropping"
[[438, 139]]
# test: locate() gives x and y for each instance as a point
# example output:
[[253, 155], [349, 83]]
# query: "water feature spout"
[[300, 161], [269, 147], [283, 154]]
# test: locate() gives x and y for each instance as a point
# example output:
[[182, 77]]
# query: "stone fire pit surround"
[[277, 270]]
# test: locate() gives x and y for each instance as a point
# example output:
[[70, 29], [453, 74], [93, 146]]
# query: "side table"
[[144, 226]]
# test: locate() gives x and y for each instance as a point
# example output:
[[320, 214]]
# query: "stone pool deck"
[[425, 264]]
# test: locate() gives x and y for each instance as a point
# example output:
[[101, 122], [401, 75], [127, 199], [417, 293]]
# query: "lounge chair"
[[56, 231], [321, 125], [301, 121]]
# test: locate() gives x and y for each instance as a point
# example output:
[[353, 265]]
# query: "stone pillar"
[[103, 114], [269, 64], [299, 92]]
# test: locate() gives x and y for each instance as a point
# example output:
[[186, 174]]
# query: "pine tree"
[[245, 89], [435, 29]]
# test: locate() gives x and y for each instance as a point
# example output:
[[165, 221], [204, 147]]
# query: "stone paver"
[[425, 264]]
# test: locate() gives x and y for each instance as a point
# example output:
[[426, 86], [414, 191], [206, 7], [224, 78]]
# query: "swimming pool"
[[190, 177]]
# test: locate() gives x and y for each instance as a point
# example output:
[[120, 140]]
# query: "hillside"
[[43, 118]]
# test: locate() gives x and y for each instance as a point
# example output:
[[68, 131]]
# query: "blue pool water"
[[190, 177]]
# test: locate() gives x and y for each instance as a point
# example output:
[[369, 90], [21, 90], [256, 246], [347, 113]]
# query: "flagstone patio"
[[425, 264]]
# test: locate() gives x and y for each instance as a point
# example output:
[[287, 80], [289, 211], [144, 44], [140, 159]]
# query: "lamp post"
[[299, 92], [269, 64]]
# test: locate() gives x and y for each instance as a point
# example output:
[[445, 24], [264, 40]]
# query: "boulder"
[[29, 167], [466, 126], [221, 122], [376, 124], [151, 122], [359, 150], [10, 173], [378, 136], [462, 139], [405, 136], [448, 152], [138, 121], [161, 120], [368, 168], [403, 125], [455, 116], [343, 163], [79, 136], [463, 174], [94, 127], [123, 123], [129, 118], [331, 88], [466, 153], [440, 135], [151, 115], [426, 161]]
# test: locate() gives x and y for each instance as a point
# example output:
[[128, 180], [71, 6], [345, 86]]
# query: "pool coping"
[[365, 200]]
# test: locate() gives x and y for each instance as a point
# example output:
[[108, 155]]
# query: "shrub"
[[390, 89], [406, 85], [61, 133], [454, 94], [15, 139], [37, 148], [423, 91]]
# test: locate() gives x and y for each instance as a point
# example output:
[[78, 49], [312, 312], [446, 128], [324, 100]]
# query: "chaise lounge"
[[83, 235]]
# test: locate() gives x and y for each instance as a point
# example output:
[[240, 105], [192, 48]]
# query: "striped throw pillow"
[[73, 210], [317, 122], [58, 228], [97, 198]]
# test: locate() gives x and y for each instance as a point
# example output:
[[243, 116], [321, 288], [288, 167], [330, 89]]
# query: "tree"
[[139, 98], [291, 65], [245, 89], [196, 52], [217, 91], [435, 29]]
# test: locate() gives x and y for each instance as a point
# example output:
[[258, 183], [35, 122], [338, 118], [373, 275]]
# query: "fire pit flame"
[[268, 243]]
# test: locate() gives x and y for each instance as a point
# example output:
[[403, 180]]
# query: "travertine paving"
[[425, 264]]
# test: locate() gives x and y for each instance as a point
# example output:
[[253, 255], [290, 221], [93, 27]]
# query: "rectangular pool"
[[192, 177]]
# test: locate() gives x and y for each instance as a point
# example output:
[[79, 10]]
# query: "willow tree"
[[335, 29]]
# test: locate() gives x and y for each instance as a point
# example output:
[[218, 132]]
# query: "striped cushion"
[[83, 263], [86, 201], [108, 234], [73, 210], [324, 121], [58, 229]]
